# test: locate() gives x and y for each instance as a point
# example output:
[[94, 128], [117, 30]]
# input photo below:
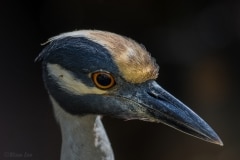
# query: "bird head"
[[102, 73]]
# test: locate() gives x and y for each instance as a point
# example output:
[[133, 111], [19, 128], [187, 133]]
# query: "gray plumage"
[[83, 137]]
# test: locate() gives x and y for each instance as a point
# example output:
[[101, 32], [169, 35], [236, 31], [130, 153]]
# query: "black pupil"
[[103, 79]]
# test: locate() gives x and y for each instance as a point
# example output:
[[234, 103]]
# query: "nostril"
[[155, 95]]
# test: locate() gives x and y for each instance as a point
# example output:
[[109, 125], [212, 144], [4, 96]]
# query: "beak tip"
[[218, 142], [215, 140], [221, 144], [212, 137]]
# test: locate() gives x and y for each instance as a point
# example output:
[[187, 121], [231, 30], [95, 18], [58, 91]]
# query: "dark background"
[[196, 43]]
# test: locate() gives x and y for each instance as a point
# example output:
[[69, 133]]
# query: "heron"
[[89, 74]]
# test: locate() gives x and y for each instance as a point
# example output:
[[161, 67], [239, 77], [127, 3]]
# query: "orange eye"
[[103, 80]]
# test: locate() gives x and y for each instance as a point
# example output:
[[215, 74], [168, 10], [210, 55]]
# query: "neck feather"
[[83, 137]]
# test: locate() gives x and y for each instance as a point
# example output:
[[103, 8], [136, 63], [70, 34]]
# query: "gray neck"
[[83, 138]]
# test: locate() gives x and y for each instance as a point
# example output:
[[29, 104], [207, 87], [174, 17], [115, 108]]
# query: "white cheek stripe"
[[67, 81]]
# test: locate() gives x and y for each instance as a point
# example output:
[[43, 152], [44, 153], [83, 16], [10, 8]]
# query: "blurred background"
[[196, 43]]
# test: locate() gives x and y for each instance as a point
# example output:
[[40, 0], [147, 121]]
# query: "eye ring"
[[103, 80]]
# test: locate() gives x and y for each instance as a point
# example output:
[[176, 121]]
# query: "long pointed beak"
[[161, 106]]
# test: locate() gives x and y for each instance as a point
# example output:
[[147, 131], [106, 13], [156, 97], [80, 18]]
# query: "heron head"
[[97, 72]]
